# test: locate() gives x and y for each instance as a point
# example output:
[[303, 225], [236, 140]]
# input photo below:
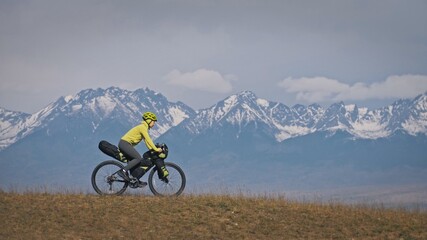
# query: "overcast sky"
[[199, 52]]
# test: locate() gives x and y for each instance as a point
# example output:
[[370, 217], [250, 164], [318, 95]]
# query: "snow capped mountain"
[[126, 106], [99, 107], [416, 120], [10, 125], [24, 124], [405, 115], [245, 108], [283, 122]]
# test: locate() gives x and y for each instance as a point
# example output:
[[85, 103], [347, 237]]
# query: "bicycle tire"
[[103, 178], [175, 185]]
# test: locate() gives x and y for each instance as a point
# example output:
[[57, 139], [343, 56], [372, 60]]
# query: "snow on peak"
[[229, 103], [350, 107], [177, 115], [68, 98], [103, 103], [262, 102]]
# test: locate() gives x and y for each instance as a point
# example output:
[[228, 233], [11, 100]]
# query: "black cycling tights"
[[130, 153]]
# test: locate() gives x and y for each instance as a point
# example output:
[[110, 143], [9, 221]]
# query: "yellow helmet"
[[149, 115]]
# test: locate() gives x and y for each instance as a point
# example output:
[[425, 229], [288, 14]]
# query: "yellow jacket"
[[139, 133]]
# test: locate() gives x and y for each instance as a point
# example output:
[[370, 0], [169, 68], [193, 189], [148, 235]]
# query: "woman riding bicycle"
[[138, 165]]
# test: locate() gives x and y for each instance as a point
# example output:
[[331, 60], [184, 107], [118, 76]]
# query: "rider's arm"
[[148, 142]]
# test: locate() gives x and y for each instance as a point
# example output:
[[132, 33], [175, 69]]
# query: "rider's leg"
[[130, 152]]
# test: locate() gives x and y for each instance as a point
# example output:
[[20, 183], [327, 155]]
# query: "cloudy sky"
[[199, 52]]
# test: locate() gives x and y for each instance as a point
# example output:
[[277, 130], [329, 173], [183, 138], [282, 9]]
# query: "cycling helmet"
[[149, 115]]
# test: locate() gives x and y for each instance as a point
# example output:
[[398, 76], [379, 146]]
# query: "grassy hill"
[[83, 216]]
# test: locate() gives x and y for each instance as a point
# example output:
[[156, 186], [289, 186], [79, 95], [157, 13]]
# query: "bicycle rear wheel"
[[175, 184], [105, 179]]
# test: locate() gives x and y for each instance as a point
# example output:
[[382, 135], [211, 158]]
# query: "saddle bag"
[[109, 149]]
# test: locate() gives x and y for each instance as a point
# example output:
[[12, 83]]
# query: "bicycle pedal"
[[137, 184]]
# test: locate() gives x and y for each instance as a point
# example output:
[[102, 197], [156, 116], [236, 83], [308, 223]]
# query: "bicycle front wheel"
[[174, 185], [105, 179]]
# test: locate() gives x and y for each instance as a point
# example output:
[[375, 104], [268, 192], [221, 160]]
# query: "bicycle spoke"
[[173, 187], [103, 180]]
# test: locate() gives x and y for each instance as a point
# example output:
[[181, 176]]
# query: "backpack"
[[110, 149]]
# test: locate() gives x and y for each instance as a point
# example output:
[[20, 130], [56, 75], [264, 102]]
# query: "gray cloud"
[[201, 79], [51, 48], [321, 89]]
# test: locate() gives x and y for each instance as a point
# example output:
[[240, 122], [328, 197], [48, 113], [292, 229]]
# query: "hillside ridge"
[[80, 216]]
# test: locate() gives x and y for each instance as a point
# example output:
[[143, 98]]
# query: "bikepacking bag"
[[110, 149]]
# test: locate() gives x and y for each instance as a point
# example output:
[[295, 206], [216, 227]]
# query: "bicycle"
[[106, 180]]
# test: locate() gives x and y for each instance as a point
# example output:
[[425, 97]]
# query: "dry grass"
[[82, 216]]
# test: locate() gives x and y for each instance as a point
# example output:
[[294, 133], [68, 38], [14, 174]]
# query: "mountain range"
[[242, 141]]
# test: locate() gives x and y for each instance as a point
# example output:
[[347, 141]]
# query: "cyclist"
[[138, 165]]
